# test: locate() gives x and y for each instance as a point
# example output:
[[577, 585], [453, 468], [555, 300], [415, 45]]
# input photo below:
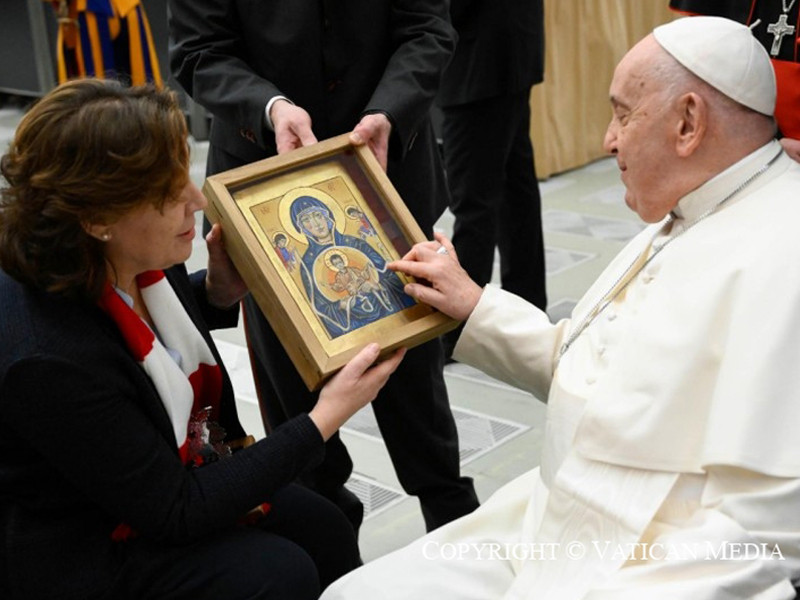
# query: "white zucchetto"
[[724, 54]]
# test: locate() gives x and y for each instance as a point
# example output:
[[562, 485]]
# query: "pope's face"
[[316, 223], [641, 133]]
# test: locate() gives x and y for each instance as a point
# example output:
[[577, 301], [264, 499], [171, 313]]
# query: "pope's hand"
[[292, 126], [449, 288], [352, 388]]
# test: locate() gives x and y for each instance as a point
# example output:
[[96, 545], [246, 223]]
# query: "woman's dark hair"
[[87, 153]]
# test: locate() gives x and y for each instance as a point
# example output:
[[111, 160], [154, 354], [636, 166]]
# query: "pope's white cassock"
[[671, 462]]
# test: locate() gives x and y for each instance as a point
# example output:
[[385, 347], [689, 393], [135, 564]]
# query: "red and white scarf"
[[185, 389], [191, 391]]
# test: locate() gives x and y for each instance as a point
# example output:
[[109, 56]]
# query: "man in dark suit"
[[488, 153], [283, 74]]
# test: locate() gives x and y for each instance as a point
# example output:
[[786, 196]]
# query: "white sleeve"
[[511, 340]]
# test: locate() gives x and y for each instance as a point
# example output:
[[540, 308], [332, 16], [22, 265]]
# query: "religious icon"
[[312, 233], [377, 294], [313, 217]]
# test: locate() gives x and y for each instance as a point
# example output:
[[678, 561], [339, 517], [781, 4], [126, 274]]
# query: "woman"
[[115, 481]]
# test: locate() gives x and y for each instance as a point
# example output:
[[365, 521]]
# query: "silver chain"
[[786, 9], [607, 299]]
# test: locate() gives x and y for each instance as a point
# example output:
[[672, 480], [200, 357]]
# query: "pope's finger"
[[424, 294], [444, 242], [412, 254], [442, 239], [414, 268]]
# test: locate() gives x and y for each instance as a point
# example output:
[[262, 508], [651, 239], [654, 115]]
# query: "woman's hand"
[[352, 388], [224, 285], [450, 289]]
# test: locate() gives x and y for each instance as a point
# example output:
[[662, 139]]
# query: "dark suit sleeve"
[[208, 58], [460, 8], [424, 42], [87, 423]]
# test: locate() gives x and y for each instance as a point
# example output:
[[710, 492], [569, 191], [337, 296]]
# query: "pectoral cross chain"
[[779, 29]]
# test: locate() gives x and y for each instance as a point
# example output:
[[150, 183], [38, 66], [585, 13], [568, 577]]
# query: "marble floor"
[[500, 428]]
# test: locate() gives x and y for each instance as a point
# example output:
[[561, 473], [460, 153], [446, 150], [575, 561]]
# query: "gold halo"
[[335, 250], [275, 235], [327, 275], [285, 213], [353, 207]]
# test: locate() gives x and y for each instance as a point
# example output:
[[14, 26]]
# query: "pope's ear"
[[692, 123]]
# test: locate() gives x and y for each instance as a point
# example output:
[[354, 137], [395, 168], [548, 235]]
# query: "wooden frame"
[[310, 232]]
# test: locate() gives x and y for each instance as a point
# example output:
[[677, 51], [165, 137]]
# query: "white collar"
[[698, 201]]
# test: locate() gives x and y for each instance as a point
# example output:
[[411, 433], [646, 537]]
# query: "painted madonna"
[[345, 278]]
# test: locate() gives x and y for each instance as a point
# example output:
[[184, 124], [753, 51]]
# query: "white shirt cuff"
[[269, 107]]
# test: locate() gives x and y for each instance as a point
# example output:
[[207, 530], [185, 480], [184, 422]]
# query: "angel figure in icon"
[[366, 231], [286, 253]]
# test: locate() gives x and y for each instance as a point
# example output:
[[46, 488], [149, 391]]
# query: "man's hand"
[[374, 130], [224, 285], [792, 148], [292, 126], [451, 290]]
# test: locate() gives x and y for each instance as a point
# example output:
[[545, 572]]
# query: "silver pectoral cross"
[[779, 29]]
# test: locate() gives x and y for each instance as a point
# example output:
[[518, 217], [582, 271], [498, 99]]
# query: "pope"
[[671, 462]]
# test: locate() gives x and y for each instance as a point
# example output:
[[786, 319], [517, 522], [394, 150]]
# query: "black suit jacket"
[[86, 444], [500, 49], [335, 58]]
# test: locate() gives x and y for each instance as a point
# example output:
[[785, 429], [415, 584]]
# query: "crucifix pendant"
[[779, 29]]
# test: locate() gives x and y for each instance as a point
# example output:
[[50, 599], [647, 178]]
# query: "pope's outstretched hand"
[[442, 282]]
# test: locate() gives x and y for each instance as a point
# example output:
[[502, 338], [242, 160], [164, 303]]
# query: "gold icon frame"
[[254, 203]]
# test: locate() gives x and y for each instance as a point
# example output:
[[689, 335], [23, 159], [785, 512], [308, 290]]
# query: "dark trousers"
[[302, 545], [412, 410], [495, 194]]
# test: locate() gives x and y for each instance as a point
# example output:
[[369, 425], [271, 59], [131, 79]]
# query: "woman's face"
[[316, 224], [147, 238]]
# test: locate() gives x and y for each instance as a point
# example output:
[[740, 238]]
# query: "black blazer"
[[335, 58], [86, 444], [500, 49]]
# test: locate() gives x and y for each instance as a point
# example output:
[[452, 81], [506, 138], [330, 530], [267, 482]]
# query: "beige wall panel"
[[585, 40]]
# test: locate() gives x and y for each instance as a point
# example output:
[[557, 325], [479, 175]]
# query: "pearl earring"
[[105, 237]]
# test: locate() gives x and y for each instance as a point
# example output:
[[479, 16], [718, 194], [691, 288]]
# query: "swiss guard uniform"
[[105, 39], [776, 24]]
